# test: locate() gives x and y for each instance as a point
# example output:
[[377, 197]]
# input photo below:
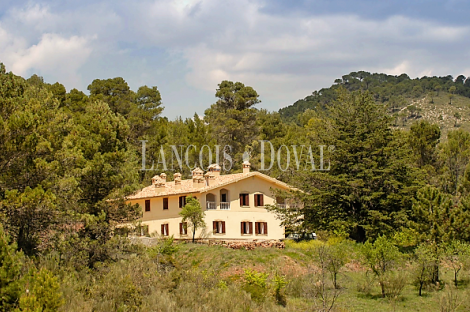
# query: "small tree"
[[424, 266], [457, 116], [337, 258], [381, 257], [451, 94], [193, 213], [431, 95], [457, 254]]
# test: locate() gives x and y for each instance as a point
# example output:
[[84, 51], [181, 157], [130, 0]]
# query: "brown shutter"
[[241, 223], [247, 199], [261, 200], [241, 200], [250, 224], [223, 227], [167, 229], [165, 203], [181, 228], [256, 200], [256, 228], [214, 226], [163, 229], [266, 228]]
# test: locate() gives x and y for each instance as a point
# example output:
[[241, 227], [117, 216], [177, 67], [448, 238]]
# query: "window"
[[247, 228], [244, 200], [224, 198], [165, 229], [219, 227], [259, 200], [182, 201], [147, 205], [261, 228], [183, 228], [165, 203]]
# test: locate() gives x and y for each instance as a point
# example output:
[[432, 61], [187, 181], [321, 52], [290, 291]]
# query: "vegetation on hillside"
[[391, 192]]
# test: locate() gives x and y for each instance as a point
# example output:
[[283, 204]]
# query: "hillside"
[[439, 112], [406, 99]]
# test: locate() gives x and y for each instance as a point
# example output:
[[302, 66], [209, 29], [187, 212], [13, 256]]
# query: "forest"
[[392, 213]]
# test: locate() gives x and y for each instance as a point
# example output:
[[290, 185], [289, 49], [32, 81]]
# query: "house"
[[234, 204]]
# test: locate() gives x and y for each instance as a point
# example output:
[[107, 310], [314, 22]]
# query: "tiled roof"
[[187, 185]]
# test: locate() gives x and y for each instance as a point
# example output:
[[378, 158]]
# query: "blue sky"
[[283, 49]]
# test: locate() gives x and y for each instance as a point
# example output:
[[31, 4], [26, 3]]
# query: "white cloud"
[[283, 57]]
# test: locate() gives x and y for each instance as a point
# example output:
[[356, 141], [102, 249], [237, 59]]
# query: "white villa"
[[234, 204]]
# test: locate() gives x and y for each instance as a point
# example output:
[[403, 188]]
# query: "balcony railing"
[[211, 205], [282, 206], [224, 206]]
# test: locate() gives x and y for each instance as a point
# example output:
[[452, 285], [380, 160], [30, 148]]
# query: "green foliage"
[[457, 254], [233, 118], [424, 266], [11, 263], [193, 213], [381, 257], [42, 293], [455, 154], [370, 184], [279, 283], [423, 139], [255, 283]]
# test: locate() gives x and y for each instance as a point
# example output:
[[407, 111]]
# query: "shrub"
[[256, 284]]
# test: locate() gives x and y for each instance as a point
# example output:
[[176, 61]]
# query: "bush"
[[255, 284]]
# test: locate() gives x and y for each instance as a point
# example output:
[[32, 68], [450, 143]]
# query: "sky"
[[285, 50]]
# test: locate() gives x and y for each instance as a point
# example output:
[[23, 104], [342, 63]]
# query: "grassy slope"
[[432, 112], [296, 261]]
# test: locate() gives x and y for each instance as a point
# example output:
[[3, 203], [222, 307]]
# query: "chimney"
[[159, 186], [155, 179], [177, 177], [215, 169], [246, 166], [198, 182], [210, 178], [197, 172], [163, 176]]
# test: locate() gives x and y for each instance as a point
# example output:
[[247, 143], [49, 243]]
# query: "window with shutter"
[[165, 203], [218, 227], [182, 201], [244, 200], [165, 229], [259, 201], [183, 228], [247, 228], [147, 205]]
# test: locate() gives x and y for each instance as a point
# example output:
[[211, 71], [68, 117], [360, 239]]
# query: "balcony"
[[282, 206], [224, 206], [211, 205]]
